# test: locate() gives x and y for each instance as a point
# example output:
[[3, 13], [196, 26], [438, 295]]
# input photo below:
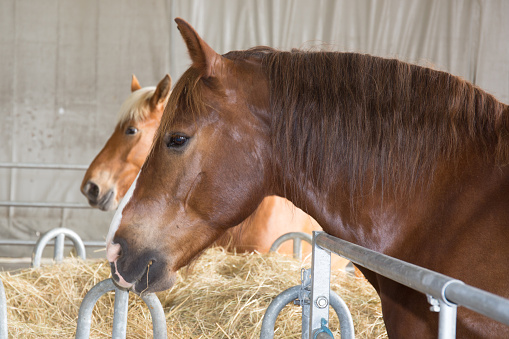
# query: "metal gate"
[[444, 293]]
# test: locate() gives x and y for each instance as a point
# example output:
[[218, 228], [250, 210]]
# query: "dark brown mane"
[[379, 122]]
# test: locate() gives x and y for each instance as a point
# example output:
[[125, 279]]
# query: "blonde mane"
[[137, 106]]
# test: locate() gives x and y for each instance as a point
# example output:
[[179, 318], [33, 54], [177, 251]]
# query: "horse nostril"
[[93, 190], [113, 252]]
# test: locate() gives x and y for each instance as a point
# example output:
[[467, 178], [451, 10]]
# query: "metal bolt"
[[322, 302]]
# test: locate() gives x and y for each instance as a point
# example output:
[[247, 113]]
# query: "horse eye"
[[131, 130], [176, 140]]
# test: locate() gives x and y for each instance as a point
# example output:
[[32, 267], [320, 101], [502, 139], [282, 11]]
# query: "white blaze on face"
[[118, 214]]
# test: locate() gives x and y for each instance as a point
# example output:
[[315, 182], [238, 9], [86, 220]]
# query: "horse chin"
[[155, 278], [161, 284]]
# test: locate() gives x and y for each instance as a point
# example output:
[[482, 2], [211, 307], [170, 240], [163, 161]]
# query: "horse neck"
[[397, 223]]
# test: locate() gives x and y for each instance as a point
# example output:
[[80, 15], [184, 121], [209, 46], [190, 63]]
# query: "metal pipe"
[[438, 285], [46, 237], [43, 166], [297, 248], [447, 321], [44, 204], [120, 314], [87, 306], [275, 307], [34, 242], [58, 250], [120, 311], [344, 315], [3, 313], [159, 330], [297, 237], [477, 300]]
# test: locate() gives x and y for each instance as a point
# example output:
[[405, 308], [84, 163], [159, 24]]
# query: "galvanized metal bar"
[[87, 306], [44, 204], [159, 330], [275, 307], [296, 237], [344, 315], [477, 300], [43, 166], [46, 237], [120, 314], [447, 320], [120, 311], [58, 250], [3, 313], [305, 301], [320, 287], [438, 285], [15, 242], [297, 248]]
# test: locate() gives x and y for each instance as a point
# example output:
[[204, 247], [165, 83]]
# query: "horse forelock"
[[136, 107], [186, 99]]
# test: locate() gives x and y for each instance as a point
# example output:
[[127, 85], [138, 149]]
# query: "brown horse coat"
[[401, 159]]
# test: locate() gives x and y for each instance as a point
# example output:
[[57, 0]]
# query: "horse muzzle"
[[96, 198], [144, 274]]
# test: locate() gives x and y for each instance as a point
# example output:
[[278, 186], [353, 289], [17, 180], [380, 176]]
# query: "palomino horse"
[[401, 159], [115, 167]]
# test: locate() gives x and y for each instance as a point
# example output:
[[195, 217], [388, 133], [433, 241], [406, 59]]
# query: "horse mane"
[[136, 107], [379, 123]]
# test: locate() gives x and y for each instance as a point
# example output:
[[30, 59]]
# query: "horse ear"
[[135, 85], [202, 55], [162, 91]]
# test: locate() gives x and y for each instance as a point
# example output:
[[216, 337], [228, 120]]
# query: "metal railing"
[[11, 165], [59, 234], [120, 311], [297, 238], [300, 295], [151, 300], [3, 313], [38, 204], [444, 293]]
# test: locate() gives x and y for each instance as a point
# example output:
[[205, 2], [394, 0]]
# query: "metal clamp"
[[323, 329], [300, 295]]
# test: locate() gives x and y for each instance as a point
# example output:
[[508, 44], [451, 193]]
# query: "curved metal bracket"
[[120, 312], [289, 295], [59, 235], [297, 238]]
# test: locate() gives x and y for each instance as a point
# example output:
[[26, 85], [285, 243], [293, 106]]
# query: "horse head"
[[193, 187], [115, 167]]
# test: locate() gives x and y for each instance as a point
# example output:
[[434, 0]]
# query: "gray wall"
[[65, 68]]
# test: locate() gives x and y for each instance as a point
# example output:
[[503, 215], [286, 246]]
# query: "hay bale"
[[222, 296]]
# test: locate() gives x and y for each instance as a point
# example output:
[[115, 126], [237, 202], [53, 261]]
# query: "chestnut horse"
[[115, 167], [401, 159]]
